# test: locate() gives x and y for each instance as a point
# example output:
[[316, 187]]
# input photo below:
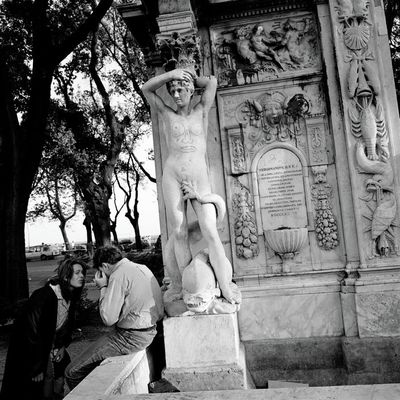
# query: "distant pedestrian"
[[36, 357], [131, 301]]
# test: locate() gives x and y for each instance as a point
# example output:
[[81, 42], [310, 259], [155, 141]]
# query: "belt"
[[139, 329]]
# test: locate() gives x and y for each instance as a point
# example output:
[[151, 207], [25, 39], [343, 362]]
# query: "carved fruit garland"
[[246, 239], [325, 221]]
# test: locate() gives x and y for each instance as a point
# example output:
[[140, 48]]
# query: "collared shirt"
[[62, 307], [132, 298]]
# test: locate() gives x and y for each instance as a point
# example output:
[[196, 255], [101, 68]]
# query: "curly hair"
[[106, 254], [188, 85]]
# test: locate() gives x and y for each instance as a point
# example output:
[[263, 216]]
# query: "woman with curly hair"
[[36, 357]]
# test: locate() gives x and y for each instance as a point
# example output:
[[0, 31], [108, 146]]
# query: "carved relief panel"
[[277, 138], [369, 138], [278, 152], [258, 51]]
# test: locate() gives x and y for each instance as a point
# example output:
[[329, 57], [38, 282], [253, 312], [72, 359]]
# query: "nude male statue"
[[185, 174]]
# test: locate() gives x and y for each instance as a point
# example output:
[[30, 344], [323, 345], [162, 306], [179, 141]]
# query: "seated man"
[[131, 301]]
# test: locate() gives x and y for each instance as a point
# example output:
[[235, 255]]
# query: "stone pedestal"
[[203, 352]]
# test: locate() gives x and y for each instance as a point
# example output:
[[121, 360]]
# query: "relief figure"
[[381, 203], [263, 46]]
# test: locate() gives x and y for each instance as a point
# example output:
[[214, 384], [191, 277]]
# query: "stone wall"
[[303, 147]]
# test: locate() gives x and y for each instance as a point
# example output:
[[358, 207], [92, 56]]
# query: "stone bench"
[[359, 392], [121, 375]]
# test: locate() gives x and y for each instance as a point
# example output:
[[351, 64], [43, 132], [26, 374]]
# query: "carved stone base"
[[203, 352], [377, 299]]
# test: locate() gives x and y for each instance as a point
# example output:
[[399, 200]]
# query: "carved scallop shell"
[[356, 37], [290, 240]]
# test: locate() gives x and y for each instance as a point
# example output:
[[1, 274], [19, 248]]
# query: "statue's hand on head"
[[182, 75]]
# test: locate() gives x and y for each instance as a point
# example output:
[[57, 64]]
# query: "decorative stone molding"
[[237, 150], [275, 117], [178, 42], [367, 121], [178, 22], [326, 229], [180, 50], [227, 9]]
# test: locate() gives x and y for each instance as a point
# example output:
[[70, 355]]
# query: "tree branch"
[[83, 30]]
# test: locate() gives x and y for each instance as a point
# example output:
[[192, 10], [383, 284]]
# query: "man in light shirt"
[[130, 301]]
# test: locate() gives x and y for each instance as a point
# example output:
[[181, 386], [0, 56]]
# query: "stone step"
[[358, 392]]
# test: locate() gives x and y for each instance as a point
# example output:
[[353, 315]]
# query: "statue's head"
[[183, 84], [258, 29], [273, 105], [199, 285]]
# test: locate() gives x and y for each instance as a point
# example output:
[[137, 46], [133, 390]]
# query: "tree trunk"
[[96, 199], [135, 224], [113, 228], [138, 238], [88, 226], [64, 235], [13, 205], [20, 152], [21, 146]]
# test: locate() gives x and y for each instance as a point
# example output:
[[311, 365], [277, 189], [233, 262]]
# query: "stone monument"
[[303, 148]]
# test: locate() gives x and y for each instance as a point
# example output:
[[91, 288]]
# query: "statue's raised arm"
[[209, 83], [152, 85]]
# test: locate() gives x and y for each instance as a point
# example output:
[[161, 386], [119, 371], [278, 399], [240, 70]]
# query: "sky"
[[45, 231]]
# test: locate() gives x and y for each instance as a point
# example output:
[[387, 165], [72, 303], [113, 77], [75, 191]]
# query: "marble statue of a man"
[[185, 175]]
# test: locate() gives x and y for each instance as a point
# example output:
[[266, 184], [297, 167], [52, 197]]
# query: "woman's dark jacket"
[[31, 341]]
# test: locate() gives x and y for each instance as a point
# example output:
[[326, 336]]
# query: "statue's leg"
[[221, 265], [178, 227], [171, 268]]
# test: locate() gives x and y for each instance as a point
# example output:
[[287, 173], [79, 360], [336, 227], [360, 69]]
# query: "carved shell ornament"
[[354, 16], [356, 33]]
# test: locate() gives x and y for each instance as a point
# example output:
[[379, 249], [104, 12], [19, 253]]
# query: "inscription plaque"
[[281, 190]]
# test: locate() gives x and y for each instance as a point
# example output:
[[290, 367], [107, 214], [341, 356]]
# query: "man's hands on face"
[[100, 279], [57, 355]]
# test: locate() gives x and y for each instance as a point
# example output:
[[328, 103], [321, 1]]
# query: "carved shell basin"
[[287, 240]]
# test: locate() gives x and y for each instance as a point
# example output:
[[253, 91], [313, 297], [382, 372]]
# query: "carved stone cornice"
[[220, 10], [140, 18], [147, 19]]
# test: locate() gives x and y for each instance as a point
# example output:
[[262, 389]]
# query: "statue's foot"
[[173, 293], [232, 295]]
